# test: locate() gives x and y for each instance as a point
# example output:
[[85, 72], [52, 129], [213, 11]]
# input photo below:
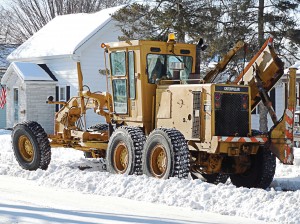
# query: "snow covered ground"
[[66, 194]]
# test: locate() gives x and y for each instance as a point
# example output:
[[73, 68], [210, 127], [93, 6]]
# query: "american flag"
[[2, 97]]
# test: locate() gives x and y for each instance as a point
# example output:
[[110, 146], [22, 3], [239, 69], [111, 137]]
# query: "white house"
[[57, 48]]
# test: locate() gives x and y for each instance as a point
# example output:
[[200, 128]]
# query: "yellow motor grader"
[[163, 121]]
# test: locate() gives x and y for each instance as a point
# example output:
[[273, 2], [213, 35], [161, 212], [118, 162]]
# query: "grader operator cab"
[[163, 121]]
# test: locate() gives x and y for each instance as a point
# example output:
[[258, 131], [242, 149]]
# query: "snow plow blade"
[[270, 69]]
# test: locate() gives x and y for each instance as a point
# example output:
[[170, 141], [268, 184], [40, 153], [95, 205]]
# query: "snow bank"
[[273, 205]]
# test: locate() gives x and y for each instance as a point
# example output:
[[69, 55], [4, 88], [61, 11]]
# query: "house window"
[[62, 94]]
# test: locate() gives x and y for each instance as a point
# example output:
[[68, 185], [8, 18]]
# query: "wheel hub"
[[159, 161], [121, 157], [25, 148]]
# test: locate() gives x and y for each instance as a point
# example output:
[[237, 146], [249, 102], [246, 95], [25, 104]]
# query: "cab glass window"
[[118, 63], [131, 74], [161, 66], [120, 96], [156, 67]]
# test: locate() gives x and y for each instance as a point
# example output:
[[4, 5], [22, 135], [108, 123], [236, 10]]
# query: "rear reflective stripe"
[[242, 139], [289, 124]]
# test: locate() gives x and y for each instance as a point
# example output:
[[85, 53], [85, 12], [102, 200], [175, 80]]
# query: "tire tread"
[[36, 131]]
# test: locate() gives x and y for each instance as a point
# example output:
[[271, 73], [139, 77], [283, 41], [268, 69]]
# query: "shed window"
[[62, 93]]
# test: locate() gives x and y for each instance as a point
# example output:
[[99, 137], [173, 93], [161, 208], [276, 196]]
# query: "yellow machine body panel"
[[202, 111], [139, 109]]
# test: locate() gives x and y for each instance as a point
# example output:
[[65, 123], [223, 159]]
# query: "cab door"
[[122, 80]]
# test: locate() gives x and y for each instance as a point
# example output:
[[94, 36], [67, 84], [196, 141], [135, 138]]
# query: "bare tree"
[[3, 26], [25, 17]]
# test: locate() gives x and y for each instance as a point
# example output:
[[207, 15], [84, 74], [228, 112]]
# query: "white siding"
[[65, 70], [12, 83], [92, 60], [37, 109], [92, 57]]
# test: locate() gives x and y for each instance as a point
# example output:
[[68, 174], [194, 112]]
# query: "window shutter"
[[68, 93], [56, 98]]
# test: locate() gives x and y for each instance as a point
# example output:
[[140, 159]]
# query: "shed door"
[[16, 105]]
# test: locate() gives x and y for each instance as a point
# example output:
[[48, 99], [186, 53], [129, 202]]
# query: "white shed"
[[28, 86], [64, 41]]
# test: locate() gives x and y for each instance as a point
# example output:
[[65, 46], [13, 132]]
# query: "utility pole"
[[263, 111], [180, 21]]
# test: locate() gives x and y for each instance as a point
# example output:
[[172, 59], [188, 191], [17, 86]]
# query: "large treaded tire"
[[261, 172], [31, 133], [131, 139], [171, 145]]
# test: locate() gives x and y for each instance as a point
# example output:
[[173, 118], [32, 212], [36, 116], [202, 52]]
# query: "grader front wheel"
[[25, 148], [124, 151], [158, 160], [120, 157], [31, 146], [166, 154]]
